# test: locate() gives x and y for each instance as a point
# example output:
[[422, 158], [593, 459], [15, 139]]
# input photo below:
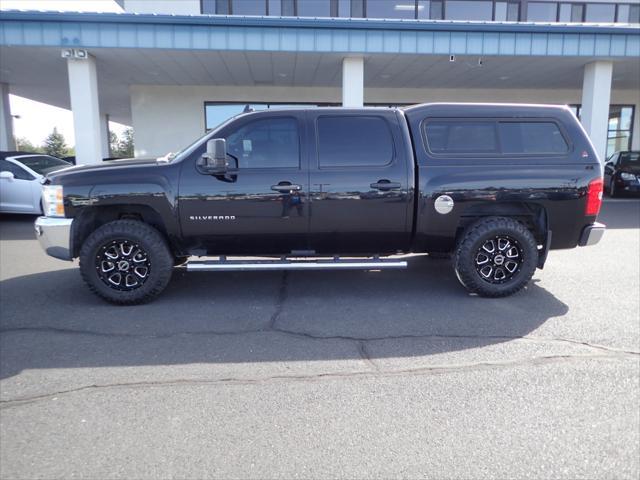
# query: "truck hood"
[[121, 164]]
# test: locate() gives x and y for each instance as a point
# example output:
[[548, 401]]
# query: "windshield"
[[43, 164], [630, 159]]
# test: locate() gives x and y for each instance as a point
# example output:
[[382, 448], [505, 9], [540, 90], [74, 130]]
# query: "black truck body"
[[330, 182]]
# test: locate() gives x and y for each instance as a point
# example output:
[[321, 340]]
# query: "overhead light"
[[385, 76], [283, 75], [401, 6], [504, 77], [77, 53]]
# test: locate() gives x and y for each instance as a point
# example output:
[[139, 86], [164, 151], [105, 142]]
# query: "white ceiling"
[[41, 74]]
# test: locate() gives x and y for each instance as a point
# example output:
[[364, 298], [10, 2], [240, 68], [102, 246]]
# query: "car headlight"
[[52, 201], [627, 176]]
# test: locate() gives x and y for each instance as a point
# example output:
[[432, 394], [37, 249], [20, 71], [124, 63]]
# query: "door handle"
[[385, 185], [286, 187]]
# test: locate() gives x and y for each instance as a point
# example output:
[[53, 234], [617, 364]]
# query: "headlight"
[[52, 201], [627, 176]]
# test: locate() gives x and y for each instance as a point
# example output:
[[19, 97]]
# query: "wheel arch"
[[91, 218], [532, 215]]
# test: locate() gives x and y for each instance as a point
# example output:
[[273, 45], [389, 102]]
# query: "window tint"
[[268, 143], [18, 172], [461, 137], [531, 137], [354, 141]]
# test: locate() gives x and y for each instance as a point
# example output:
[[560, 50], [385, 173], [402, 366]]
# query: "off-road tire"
[[150, 241], [476, 237]]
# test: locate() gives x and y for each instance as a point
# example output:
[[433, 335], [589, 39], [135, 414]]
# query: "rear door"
[[360, 195]]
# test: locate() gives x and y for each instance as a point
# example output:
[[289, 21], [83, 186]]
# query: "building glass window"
[[436, 11], [391, 9], [500, 13], [542, 11], [468, 10], [344, 8], [513, 12], [620, 129], [248, 7], [600, 12], [208, 6], [634, 14], [571, 12], [314, 8], [357, 8]]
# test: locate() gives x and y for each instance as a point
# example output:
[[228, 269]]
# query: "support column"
[[353, 82], [7, 140], [596, 95], [104, 129], [83, 90]]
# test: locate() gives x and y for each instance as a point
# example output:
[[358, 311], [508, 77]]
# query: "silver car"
[[21, 177]]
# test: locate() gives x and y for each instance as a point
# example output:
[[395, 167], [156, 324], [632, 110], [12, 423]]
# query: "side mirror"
[[214, 160], [7, 176]]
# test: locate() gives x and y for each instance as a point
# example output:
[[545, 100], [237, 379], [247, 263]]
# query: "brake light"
[[594, 197]]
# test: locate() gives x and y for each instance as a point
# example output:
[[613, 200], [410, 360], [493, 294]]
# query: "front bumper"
[[591, 234], [54, 235]]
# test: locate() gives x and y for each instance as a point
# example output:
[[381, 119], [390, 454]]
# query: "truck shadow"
[[50, 320]]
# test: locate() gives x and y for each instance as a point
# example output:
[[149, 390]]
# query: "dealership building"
[[173, 69]]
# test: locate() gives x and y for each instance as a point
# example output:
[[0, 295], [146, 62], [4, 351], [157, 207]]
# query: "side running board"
[[284, 264]]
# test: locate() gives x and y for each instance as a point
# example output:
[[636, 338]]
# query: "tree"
[[113, 144], [25, 145], [124, 148], [55, 145]]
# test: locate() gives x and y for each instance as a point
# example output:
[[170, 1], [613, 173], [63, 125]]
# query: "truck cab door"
[[359, 180], [260, 207]]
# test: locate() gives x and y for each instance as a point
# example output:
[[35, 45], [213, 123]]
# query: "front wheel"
[[126, 262], [612, 189], [496, 257]]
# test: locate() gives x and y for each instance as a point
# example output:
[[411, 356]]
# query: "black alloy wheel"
[[126, 262], [123, 265], [496, 257], [498, 260]]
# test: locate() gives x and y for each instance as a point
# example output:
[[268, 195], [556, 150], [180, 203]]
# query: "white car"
[[21, 177]]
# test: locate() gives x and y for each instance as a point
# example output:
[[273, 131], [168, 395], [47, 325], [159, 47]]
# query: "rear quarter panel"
[[502, 184]]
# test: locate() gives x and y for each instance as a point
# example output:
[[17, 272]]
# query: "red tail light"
[[594, 197]]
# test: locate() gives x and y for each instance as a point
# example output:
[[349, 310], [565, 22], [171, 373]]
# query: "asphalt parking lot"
[[324, 374]]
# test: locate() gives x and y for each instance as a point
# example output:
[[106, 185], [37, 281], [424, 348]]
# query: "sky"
[[36, 120]]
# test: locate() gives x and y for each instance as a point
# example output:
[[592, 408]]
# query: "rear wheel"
[[126, 262], [496, 257]]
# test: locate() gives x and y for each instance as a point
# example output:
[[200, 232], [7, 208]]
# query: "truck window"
[[531, 137], [461, 137], [354, 141], [266, 143]]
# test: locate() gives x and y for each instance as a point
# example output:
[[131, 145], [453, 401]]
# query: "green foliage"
[[122, 147], [25, 145], [55, 144]]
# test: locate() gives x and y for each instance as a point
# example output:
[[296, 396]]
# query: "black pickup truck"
[[495, 186]]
